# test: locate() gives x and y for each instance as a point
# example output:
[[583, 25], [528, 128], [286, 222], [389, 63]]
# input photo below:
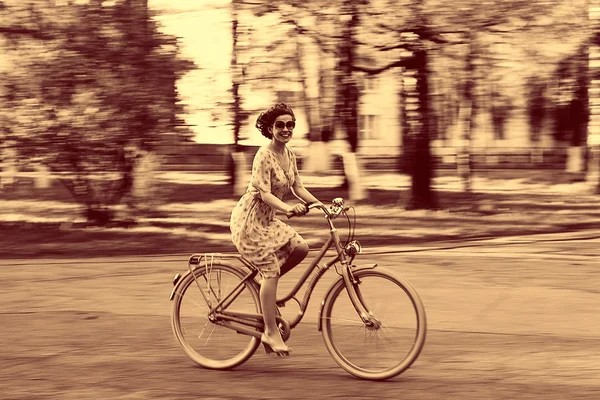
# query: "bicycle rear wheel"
[[207, 343], [392, 342]]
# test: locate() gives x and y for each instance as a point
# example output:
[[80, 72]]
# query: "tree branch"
[[36, 34], [405, 62], [273, 46], [388, 48], [312, 34], [425, 31]]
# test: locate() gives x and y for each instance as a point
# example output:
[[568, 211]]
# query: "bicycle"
[[226, 305]]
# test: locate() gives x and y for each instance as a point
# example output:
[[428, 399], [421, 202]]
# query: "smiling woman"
[[270, 244]]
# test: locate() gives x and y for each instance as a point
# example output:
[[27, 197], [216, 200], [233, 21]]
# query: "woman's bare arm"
[[274, 202], [303, 194]]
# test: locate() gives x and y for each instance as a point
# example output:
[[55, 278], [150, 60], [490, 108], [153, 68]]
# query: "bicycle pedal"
[[276, 354]]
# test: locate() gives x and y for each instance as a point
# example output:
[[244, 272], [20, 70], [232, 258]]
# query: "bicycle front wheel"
[[205, 341], [390, 341]]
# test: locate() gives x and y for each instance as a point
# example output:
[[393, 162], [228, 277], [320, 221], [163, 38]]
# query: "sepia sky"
[[205, 32], [205, 39]]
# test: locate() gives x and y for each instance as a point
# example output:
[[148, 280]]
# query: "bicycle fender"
[[177, 279], [336, 282]]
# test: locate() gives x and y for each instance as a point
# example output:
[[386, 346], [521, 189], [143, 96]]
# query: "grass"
[[194, 218]]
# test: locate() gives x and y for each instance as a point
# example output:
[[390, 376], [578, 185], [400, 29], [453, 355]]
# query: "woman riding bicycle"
[[271, 245]]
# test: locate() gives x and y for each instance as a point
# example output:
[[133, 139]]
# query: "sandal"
[[271, 348]]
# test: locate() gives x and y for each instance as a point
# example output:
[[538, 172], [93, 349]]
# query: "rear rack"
[[207, 259]]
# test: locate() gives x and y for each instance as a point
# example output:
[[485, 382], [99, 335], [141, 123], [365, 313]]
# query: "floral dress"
[[259, 236]]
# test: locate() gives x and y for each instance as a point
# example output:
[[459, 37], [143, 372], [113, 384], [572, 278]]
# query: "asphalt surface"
[[509, 319]]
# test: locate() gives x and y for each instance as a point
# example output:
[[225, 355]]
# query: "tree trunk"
[[465, 117], [349, 98], [579, 118], [317, 158], [327, 93], [238, 172], [403, 161], [463, 155], [422, 195], [597, 162], [305, 98], [593, 74]]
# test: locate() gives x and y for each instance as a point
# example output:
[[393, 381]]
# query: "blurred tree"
[[536, 106], [420, 123], [439, 24], [257, 61], [339, 92], [465, 115], [95, 81], [348, 97], [384, 31], [334, 33], [313, 28], [593, 77], [238, 166], [414, 35]]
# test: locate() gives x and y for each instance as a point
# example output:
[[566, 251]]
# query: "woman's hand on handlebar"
[[297, 210]]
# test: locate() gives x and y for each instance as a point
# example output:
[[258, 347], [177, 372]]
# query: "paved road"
[[506, 321]]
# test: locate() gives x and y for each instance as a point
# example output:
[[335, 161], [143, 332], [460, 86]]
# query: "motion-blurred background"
[[464, 132], [114, 109]]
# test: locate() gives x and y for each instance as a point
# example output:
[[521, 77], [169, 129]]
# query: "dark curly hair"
[[266, 119]]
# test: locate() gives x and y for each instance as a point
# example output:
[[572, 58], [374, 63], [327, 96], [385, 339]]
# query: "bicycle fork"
[[352, 287]]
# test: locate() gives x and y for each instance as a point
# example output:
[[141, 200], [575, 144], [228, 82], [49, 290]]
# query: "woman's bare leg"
[[297, 256], [268, 298]]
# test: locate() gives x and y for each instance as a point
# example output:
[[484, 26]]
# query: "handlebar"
[[337, 206]]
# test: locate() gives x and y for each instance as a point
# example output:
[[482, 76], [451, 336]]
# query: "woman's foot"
[[272, 347]]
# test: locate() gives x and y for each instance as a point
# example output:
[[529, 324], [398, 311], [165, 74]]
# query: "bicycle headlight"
[[353, 248]]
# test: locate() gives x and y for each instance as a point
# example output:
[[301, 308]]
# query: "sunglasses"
[[280, 125]]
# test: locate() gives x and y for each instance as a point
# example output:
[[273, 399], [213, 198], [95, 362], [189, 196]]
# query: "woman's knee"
[[296, 257], [302, 251]]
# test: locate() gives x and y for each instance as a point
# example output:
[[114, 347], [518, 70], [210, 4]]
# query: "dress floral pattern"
[[258, 235]]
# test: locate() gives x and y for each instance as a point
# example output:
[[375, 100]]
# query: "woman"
[[270, 244]]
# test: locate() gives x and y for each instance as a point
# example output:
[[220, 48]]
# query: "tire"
[[358, 348], [207, 343]]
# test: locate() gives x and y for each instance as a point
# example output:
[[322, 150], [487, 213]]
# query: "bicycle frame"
[[251, 323]]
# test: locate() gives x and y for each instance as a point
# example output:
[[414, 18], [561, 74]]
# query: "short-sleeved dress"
[[259, 236]]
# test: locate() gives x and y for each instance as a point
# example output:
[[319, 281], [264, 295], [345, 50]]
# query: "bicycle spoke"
[[385, 338], [200, 306], [389, 343], [210, 344], [203, 329], [210, 334], [369, 334], [353, 321]]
